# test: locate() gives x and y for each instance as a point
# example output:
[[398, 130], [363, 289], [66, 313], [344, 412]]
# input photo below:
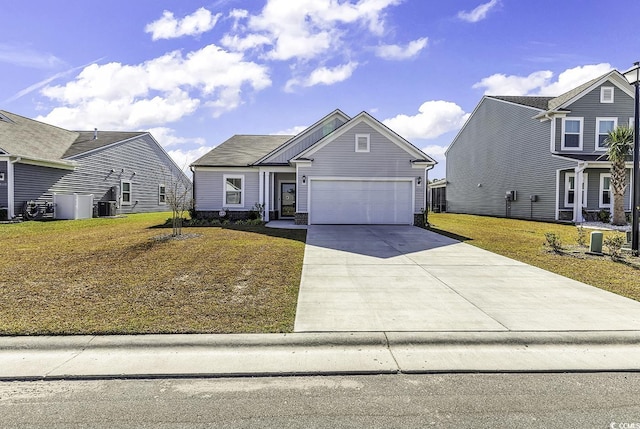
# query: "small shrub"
[[582, 237], [604, 216], [255, 222], [241, 222], [553, 242], [225, 222], [614, 243]]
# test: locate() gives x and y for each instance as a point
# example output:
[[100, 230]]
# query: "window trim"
[[571, 118], [597, 133], [162, 194], [585, 181], [122, 192], [603, 90], [224, 189], [601, 191], [368, 137]]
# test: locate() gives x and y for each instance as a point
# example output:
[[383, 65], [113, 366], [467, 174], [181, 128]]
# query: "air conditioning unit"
[[106, 208]]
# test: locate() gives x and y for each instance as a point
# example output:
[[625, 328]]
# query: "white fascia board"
[[376, 125], [613, 76], [277, 169], [108, 146], [292, 141], [229, 170], [62, 165]]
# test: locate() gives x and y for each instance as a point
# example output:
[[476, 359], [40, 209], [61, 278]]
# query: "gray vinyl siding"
[[209, 189], [319, 132], [4, 195], [339, 159], [94, 175], [501, 148], [593, 189], [589, 107]]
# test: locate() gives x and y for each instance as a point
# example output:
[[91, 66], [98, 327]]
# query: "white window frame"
[[585, 188], [603, 92], [598, 120], [581, 120], [161, 194], [631, 122], [224, 189], [601, 191], [122, 193], [368, 137]]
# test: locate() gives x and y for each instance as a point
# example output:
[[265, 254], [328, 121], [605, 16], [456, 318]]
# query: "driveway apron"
[[404, 278]]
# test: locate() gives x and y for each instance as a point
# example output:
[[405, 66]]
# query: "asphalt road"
[[386, 401]]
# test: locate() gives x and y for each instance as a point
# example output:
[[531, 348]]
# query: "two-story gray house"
[[539, 157], [128, 170], [340, 170]]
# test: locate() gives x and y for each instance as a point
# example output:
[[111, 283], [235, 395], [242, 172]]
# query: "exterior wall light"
[[304, 180]]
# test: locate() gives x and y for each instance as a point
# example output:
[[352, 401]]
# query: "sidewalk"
[[161, 356]]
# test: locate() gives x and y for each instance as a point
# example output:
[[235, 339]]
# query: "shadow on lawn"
[[449, 234], [291, 234]]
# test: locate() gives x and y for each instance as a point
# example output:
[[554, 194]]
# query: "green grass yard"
[[523, 240], [115, 276]]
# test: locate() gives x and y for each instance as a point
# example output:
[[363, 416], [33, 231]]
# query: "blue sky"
[[195, 72]]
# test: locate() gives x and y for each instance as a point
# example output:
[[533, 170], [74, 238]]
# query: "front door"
[[287, 200]]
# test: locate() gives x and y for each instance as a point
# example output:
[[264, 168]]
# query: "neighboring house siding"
[[141, 156], [36, 183], [339, 159], [307, 141], [209, 188], [502, 148], [94, 176], [589, 107], [4, 195]]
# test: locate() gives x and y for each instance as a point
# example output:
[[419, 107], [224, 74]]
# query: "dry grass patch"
[[523, 240], [114, 276]]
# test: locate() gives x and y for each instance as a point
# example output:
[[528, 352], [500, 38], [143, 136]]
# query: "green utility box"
[[596, 242]]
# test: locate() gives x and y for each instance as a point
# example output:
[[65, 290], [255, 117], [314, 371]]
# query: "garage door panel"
[[361, 202]]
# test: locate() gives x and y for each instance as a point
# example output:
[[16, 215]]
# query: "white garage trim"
[[400, 217]]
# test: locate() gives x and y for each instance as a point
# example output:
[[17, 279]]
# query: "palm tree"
[[619, 144]]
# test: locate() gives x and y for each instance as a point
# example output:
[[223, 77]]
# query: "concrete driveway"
[[404, 278]]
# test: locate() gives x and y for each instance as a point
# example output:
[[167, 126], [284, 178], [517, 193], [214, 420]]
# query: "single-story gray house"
[[340, 170], [127, 171]]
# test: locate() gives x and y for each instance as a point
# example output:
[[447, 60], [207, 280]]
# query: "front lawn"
[[119, 276], [523, 240]]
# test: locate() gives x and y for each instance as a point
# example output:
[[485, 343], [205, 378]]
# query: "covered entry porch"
[[278, 192]]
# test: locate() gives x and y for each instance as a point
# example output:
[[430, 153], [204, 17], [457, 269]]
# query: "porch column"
[[579, 184], [266, 182]]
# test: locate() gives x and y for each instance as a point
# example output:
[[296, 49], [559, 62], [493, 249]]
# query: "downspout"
[[193, 189]]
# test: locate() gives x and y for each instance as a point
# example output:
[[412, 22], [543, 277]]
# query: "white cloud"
[[324, 76], [183, 158], [433, 119], [161, 90], [540, 82], [166, 137], [436, 152], [168, 27], [24, 56], [397, 52], [293, 131], [479, 13], [305, 29]]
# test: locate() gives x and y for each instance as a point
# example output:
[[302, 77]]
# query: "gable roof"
[[85, 141], [29, 138], [376, 125], [536, 102], [241, 150]]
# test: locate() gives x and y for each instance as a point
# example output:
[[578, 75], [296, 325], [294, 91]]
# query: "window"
[[233, 191], [603, 126], [605, 190], [570, 189], [125, 193], [162, 194], [606, 94], [572, 133], [362, 142]]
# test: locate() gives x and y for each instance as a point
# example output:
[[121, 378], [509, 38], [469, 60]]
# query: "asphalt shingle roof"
[[26, 137], [241, 150], [536, 102], [85, 141]]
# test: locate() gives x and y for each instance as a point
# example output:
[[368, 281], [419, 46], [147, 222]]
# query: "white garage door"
[[360, 202]]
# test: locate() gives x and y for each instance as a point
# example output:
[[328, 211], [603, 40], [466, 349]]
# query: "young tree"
[[179, 199], [619, 143]]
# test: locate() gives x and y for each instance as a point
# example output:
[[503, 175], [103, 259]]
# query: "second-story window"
[[603, 126], [572, 133]]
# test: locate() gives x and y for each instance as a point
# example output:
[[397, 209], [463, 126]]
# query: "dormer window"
[[362, 142], [606, 94]]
